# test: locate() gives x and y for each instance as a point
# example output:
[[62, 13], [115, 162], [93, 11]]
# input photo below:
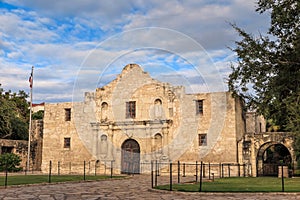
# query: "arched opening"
[[158, 142], [270, 156], [130, 158], [157, 102], [104, 110], [158, 110], [103, 146]]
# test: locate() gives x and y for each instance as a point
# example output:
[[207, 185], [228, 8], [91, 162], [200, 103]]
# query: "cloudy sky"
[[77, 45]]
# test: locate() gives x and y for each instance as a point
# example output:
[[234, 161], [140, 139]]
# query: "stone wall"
[[36, 145], [18, 147], [166, 125], [255, 123], [56, 130]]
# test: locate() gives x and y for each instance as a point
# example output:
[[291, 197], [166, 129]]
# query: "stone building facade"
[[136, 119]]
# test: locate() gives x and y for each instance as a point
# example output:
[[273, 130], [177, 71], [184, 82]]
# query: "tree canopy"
[[14, 115], [267, 74]]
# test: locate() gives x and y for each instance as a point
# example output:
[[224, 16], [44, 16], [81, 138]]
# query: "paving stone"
[[136, 187]]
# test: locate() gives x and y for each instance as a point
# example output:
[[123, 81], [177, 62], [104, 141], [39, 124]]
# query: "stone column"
[[253, 158]]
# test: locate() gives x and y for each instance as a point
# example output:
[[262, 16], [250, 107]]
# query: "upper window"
[[67, 142], [199, 107], [130, 109], [202, 139], [157, 102], [67, 114], [104, 106]]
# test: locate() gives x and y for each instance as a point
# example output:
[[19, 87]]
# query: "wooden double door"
[[130, 158]]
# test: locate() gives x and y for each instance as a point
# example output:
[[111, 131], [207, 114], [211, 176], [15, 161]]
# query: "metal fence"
[[184, 172], [84, 169], [170, 173], [88, 167]]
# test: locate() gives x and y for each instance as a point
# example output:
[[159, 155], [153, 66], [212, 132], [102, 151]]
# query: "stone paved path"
[[136, 187]]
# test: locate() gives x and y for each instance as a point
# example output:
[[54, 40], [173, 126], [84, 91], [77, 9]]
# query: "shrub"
[[10, 162]]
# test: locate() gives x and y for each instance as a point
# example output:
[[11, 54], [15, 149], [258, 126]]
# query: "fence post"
[[170, 176], [282, 178], [158, 168], [50, 168], [111, 169], [151, 173], [6, 174], [96, 168], [228, 170], [196, 171], [201, 168], [183, 169], [209, 170], [58, 168], [220, 174], [239, 168], [178, 171], [203, 172], [84, 170], [156, 173], [244, 169], [222, 170]]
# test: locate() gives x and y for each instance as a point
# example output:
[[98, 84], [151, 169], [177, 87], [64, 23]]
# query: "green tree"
[[14, 115], [267, 74], [38, 115], [10, 162]]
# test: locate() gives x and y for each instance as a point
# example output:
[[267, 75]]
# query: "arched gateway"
[[265, 151], [270, 156], [130, 158]]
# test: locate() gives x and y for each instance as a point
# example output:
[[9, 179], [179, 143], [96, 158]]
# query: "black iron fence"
[[83, 169], [170, 173], [88, 167], [183, 169], [181, 172]]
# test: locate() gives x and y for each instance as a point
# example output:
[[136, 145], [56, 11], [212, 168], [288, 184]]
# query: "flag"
[[30, 80]]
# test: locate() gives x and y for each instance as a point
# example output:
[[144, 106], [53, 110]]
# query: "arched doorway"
[[270, 156], [130, 158]]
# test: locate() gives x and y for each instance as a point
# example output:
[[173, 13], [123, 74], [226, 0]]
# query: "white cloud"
[[61, 37]]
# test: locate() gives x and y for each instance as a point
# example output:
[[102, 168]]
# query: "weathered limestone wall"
[[56, 128], [255, 123], [166, 125], [222, 122], [36, 144], [18, 147]]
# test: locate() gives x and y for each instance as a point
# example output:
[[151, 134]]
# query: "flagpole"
[[30, 120]]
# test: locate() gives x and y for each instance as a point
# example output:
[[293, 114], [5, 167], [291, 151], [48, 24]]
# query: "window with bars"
[[202, 139], [67, 114], [67, 142], [130, 109], [199, 107]]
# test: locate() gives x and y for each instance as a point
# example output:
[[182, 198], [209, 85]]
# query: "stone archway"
[[270, 155], [130, 157]]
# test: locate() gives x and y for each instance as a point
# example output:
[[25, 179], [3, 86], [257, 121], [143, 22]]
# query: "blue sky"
[[76, 46]]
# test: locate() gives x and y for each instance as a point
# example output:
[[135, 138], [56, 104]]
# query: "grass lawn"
[[33, 179], [245, 184]]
